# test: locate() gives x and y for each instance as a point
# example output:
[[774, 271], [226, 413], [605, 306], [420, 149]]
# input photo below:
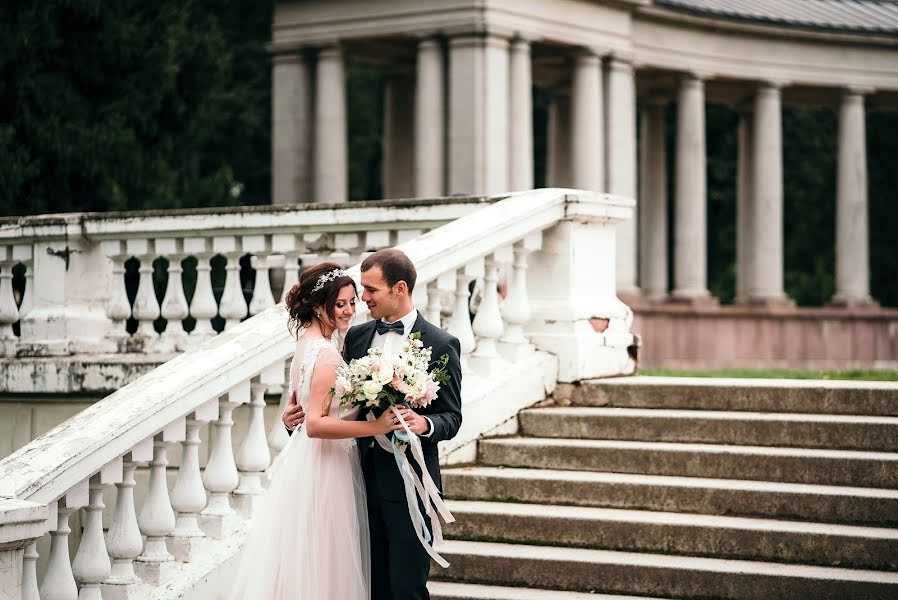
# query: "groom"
[[399, 564]]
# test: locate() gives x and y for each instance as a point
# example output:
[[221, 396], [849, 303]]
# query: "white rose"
[[371, 389], [384, 375]]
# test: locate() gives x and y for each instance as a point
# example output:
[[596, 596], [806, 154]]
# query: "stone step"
[[611, 572], [676, 533], [799, 465], [447, 590], [763, 395], [859, 432], [775, 500]]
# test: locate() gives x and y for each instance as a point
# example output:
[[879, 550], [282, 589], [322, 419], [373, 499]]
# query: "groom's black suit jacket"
[[444, 412]]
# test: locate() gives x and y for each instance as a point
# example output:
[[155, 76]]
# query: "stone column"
[[521, 112], [690, 210], [398, 137], [744, 202], [766, 242], [653, 202], [852, 243], [621, 154], [586, 131], [558, 161], [430, 120], [478, 114], [291, 114], [330, 127]]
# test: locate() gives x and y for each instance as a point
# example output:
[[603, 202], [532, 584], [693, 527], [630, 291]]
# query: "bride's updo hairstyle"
[[318, 286]]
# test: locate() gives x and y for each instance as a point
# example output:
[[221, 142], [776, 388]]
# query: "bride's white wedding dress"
[[309, 540]]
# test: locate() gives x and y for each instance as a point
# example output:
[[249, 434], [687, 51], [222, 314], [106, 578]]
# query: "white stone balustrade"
[[80, 266], [508, 348]]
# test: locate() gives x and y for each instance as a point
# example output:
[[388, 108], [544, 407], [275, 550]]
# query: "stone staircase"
[[650, 487]]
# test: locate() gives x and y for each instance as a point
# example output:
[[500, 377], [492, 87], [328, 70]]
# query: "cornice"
[[792, 32]]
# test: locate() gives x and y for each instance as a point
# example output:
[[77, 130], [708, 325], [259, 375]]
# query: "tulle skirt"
[[309, 540]]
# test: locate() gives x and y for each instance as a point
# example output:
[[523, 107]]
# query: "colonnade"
[[461, 123]]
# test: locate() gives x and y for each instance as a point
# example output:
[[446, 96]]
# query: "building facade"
[[458, 120]]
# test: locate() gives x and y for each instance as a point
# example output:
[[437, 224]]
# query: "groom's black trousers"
[[399, 565]]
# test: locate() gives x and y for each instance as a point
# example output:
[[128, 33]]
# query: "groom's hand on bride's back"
[[293, 416]]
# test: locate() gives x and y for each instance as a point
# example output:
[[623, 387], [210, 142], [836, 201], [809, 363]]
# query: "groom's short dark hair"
[[395, 266]]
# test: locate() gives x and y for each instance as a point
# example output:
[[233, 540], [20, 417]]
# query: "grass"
[[854, 374]]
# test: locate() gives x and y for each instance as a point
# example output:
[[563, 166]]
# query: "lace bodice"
[[310, 354]]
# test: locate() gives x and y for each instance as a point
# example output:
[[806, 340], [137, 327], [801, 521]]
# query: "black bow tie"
[[383, 328]]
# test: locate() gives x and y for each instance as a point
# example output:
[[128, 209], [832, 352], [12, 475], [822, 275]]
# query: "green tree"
[[131, 105]]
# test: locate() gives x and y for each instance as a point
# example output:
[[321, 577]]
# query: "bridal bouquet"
[[378, 381]]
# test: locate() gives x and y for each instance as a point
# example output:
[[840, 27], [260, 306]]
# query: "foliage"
[[131, 105]]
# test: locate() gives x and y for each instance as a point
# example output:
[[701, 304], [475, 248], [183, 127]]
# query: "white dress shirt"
[[391, 342]]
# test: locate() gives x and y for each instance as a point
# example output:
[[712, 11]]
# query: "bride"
[[310, 537]]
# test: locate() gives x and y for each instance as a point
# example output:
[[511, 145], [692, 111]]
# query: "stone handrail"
[[557, 248]]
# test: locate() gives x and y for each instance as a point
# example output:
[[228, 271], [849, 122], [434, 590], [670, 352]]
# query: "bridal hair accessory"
[[329, 276]]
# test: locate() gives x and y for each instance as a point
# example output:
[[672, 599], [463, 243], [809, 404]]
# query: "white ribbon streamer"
[[427, 490]]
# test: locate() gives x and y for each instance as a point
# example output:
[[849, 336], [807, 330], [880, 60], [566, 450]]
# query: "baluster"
[[277, 435], [174, 305], [202, 305], [118, 309], [91, 565], [233, 307], [253, 457], [218, 519], [156, 518], [434, 302], [460, 323], [59, 581], [262, 296], [487, 323], [29, 573], [188, 496], [285, 243], [9, 311], [123, 540], [516, 307], [291, 273], [259, 246], [146, 306]]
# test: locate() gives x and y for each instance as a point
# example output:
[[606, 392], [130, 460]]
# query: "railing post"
[[91, 565], [487, 323], [29, 573], [277, 435], [59, 581], [516, 307], [202, 305], [118, 309], [232, 307], [577, 314], [157, 518], [188, 496], [146, 306], [123, 540], [460, 322], [218, 519], [260, 248], [174, 304], [253, 457]]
